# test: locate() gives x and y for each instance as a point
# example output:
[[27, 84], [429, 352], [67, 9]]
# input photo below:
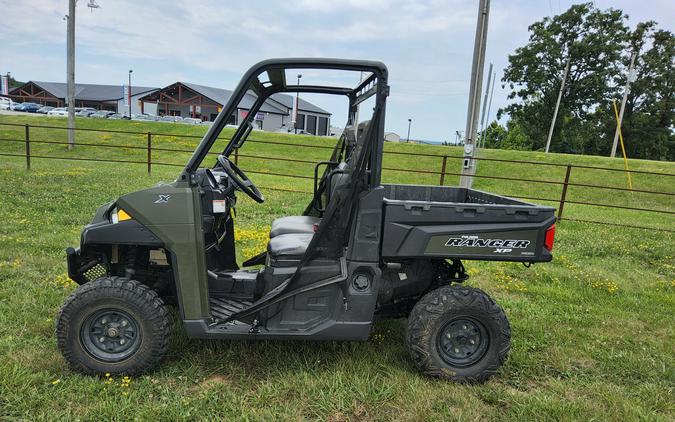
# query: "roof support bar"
[[363, 97]]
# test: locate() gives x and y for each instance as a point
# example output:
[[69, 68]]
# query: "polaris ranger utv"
[[362, 250]]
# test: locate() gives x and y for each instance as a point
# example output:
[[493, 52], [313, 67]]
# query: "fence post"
[[563, 195], [236, 156], [27, 147], [149, 153], [445, 162]]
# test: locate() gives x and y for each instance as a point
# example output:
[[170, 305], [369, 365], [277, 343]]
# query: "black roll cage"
[[374, 84]]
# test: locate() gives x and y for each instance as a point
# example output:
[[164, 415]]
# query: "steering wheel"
[[240, 179]]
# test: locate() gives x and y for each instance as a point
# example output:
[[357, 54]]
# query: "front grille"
[[97, 271]]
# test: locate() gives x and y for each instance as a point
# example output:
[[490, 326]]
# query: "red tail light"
[[550, 235]]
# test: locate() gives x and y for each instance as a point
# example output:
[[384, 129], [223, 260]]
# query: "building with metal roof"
[[183, 99], [186, 99], [101, 97]]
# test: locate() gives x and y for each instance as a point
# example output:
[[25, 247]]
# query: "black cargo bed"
[[454, 222]]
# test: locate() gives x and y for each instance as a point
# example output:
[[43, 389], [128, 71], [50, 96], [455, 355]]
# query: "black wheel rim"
[[462, 342], [110, 335]]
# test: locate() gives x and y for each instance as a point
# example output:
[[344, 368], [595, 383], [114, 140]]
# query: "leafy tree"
[[592, 40], [13, 83], [516, 137], [512, 136], [650, 107], [493, 135]]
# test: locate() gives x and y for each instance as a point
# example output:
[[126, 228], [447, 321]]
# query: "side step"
[[222, 308], [239, 284]]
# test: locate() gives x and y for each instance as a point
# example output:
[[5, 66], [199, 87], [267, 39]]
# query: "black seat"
[[304, 224], [294, 224], [291, 245]]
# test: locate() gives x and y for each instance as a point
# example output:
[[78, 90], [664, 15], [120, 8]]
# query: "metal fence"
[[561, 200]]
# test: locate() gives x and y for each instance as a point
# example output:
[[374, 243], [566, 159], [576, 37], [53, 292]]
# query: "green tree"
[[592, 40], [650, 107], [517, 137], [493, 135]]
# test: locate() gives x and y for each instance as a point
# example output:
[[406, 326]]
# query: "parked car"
[[14, 106], [6, 103], [171, 119], [58, 111], [285, 129], [86, 112], [45, 109], [290, 130], [28, 107], [143, 117], [191, 121], [102, 114], [118, 116]]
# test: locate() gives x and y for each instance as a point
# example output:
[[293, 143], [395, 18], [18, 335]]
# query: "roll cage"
[[375, 84]]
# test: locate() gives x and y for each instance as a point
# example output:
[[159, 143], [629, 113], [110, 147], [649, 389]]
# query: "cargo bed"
[[451, 222]]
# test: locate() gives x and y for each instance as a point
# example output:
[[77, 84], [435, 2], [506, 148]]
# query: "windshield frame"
[[375, 84]]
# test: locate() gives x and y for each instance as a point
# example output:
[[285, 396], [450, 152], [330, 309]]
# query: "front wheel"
[[458, 333], [113, 325]]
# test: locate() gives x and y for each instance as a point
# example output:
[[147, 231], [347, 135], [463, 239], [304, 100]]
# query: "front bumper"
[[74, 261], [82, 270]]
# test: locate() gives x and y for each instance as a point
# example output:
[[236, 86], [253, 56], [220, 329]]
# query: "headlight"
[[118, 215]]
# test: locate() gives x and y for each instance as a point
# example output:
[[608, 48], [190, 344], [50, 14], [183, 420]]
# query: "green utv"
[[361, 251]]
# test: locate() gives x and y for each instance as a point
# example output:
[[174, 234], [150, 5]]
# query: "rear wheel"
[[113, 325], [458, 333]]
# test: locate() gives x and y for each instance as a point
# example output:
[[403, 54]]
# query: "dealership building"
[[180, 99], [100, 97], [204, 102]]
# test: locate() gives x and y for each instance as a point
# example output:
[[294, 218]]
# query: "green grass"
[[593, 331]]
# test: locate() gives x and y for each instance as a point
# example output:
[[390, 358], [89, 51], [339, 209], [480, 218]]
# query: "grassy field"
[[593, 331]]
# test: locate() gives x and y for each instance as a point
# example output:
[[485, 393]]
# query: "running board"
[[277, 294], [221, 308]]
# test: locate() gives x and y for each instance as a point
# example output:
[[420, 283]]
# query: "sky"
[[426, 44]]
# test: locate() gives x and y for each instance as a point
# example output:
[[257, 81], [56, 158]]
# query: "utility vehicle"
[[362, 250]]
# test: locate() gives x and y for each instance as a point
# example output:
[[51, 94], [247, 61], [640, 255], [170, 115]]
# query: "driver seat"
[[305, 224]]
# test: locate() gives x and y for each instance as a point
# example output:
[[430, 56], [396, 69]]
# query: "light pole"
[[70, 66], [129, 94], [70, 93], [630, 79], [557, 104], [407, 139], [297, 104]]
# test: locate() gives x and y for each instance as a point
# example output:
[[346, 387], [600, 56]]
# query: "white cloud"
[[427, 44]]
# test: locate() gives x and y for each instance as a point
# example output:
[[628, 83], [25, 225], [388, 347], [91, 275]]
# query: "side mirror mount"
[[242, 134]]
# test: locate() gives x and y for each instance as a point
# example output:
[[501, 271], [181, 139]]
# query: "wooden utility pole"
[[557, 104], [468, 162]]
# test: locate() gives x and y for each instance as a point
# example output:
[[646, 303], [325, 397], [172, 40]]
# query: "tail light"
[[550, 235]]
